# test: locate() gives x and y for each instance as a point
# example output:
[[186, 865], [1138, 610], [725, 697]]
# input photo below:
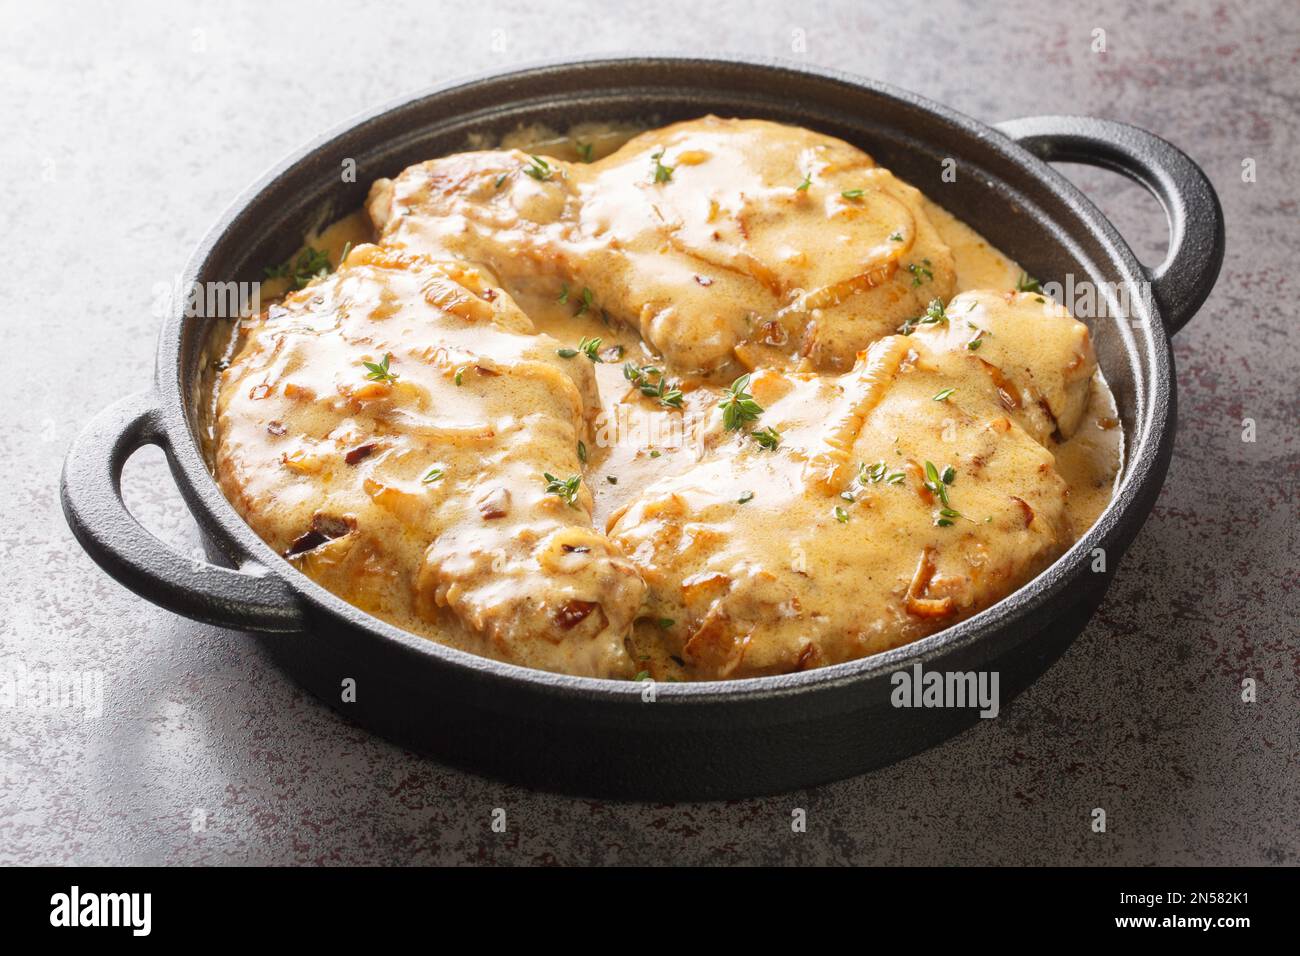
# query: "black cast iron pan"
[[700, 740]]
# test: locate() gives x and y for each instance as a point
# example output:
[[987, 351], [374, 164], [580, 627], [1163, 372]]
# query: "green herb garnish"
[[432, 475], [934, 315], [538, 168], [378, 371], [921, 272], [640, 376], [663, 174], [310, 264], [944, 394], [739, 406], [768, 438], [938, 483], [853, 193], [877, 473], [566, 489], [1027, 283]]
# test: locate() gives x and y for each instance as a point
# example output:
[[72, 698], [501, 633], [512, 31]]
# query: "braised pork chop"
[[391, 428], [726, 243]]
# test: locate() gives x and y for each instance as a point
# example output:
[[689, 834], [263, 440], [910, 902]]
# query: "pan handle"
[[91, 489], [1181, 283]]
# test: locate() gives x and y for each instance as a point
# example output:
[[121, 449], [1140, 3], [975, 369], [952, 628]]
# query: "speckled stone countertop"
[[128, 130]]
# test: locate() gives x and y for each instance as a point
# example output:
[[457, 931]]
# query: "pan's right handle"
[[247, 599], [1181, 283]]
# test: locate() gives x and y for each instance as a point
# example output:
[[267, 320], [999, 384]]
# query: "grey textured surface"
[[126, 132]]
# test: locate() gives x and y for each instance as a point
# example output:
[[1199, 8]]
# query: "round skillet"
[[696, 740]]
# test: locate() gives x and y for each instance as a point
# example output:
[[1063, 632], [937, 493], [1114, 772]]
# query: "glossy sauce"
[[651, 443]]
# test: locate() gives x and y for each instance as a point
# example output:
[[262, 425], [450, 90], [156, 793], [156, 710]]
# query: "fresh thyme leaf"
[[1027, 283], [538, 168], [582, 452], [459, 372], [938, 483], [642, 676], [584, 150], [585, 305], [739, 406], [433, 474], [944, 394], [768, 438], [669, 394], [895, 237], [564, 292], [853, 193], [745, 496], [663, 174], [665, 623], [500, 179], [310, 264], [921, 272], [874, 474], [591, 349], [841, 515], [566, 353], [934, 315], [378, 371], [803, 186], [565, 489], [877, 473]]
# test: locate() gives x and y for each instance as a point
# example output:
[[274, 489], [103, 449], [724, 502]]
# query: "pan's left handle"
[[91, 489]]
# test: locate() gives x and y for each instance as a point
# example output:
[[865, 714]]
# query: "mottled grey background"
[[125, 130]]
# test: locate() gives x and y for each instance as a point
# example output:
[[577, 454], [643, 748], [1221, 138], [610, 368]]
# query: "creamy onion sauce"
[[1089, 461]]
